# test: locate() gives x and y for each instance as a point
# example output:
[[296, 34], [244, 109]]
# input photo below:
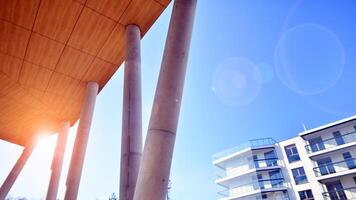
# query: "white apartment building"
[[317, 164]]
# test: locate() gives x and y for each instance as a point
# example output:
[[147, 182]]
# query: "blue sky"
[[256, 69]]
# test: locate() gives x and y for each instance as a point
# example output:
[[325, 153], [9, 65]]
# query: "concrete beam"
[[157, 155], [57, 162], [131, 139], [16, 170], [81, 141]]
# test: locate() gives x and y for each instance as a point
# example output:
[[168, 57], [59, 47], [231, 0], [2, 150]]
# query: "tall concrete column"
[[131, 139], [16, 170], [81, 141], [157, 155], [57, 162]]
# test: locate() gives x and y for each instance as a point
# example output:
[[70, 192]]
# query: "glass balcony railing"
[[259, 185], [251, 164], [343, 194], [250, 144], [335, 167], [331, 142], [262, 163]]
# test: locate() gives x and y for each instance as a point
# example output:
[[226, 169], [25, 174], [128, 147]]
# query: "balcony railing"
[[251, 164], [250, 144], [259, 185], [343, 194], [331, 142], [335, 167], [262, 163]]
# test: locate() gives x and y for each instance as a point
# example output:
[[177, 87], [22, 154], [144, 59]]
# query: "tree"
[[168, 189], [113, 197]]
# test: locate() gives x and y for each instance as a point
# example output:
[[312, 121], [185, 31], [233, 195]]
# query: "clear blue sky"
[[256, 69]]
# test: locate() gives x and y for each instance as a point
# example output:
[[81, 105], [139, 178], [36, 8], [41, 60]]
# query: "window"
[[292, 153], [299, 176], [255, 160], [326, 166], [338, 138], [260, 181], [276, 178], [349, 160], [270, 158], [336, 190], [354, 179], [306, 195], [316, 144]]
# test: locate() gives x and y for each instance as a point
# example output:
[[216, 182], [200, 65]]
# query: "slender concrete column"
[[157, 155], [131, 139], [57, 162], [16, 170], [81, 141]]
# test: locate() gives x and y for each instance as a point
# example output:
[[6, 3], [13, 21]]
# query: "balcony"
[[336, 167], [251, 144], [251, 166], [343, 194], [260, 186], [331, 143]]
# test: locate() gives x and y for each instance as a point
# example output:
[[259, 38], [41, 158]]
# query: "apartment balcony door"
[[325, 166], [276, 178], [270, 158], [336, 191], [255, 161], [259, 183], [338, 138], [349, 160], [316, 144]]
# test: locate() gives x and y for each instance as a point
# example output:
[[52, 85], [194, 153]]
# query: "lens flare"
[[236, 81], [309, 59]]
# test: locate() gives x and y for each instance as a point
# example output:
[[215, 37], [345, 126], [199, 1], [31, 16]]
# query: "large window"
[[326, 166], [299, 176], [292, 153], [338, 138], [349, 160], [306, 195], [316, 144]]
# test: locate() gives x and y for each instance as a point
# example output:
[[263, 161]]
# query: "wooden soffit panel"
[[50, 49]]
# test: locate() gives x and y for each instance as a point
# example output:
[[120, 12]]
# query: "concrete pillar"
[[157, 155], [57, 162], [81, 141], [131, 139], [16, 170]]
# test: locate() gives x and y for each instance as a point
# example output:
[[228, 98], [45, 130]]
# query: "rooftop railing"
[[250, 144], [335, 167], [331, 142], [343, 194]]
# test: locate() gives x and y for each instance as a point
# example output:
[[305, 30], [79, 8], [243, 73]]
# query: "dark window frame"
[[292, 153], [306, 195], [299, 176]]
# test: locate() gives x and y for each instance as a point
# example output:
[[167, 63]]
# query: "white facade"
[[317, 164]]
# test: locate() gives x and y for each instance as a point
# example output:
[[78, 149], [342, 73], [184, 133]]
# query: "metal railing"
[[267, 162], [343, 194], [335, 167], [254, 186], [250, 144], [331, 142], [251, 164]]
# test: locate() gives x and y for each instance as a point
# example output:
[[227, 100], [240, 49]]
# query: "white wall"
[[242, 163], [304, 162]]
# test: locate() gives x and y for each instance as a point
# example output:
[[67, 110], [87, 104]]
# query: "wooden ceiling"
[[49, 49]]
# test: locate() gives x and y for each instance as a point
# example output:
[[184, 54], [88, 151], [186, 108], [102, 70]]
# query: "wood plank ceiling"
[[49, 49]]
